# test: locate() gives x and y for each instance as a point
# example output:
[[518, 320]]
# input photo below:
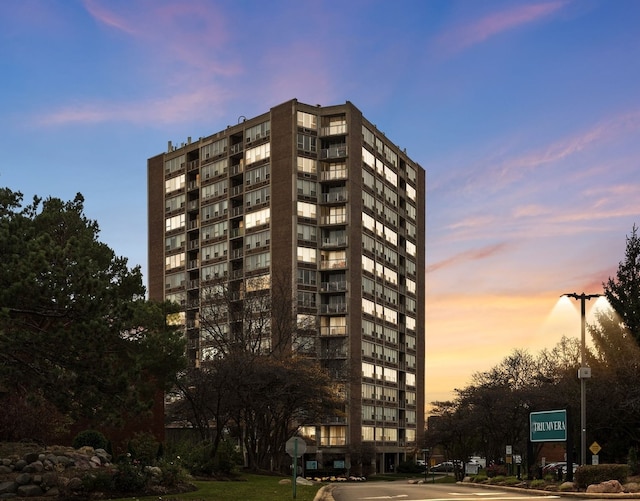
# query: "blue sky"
[[525, 115]]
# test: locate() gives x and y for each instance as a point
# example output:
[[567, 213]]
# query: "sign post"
[[295, 447]]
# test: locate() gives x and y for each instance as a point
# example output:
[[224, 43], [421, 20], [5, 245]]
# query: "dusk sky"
[[525, 115]]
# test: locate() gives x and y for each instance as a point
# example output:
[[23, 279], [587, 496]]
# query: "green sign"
[[548, 426]]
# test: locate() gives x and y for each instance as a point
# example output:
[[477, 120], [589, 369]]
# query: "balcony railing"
[[334, 286], [338, 151], [334, 197], [333, 130], [332, 264], [335, 242], [330, 175], [333, 308], [334, 331]]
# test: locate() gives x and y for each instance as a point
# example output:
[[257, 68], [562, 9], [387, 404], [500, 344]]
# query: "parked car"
[[447, 466], [444, 466]]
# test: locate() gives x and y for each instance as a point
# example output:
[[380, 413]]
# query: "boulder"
[[30, 491], [8, 487], [610, 486]]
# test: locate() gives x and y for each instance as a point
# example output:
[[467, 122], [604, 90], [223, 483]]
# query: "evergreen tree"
[[75, 327]]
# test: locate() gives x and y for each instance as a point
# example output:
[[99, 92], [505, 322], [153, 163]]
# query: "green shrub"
[[98, 481], [594, 474], [410, 467], [537, 484], [173, 473], [479, 478], [144, 448], [511, 481], [91, 438], [131, 476]]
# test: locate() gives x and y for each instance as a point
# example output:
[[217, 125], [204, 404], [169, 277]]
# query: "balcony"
[[334, 242], [340, 330], [337, 151], [334, 197], [334, 286], [333, 130], [333, 175], [235, 148], [333, 264], [328, 309], [333, 219]]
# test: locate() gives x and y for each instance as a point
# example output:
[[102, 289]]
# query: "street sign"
[[548, 426], [295, 447], [595, 448]]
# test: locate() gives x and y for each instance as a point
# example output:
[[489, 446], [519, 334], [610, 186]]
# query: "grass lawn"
[[249, 488]]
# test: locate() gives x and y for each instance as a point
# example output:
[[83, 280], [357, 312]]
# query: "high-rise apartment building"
[[320, 195]]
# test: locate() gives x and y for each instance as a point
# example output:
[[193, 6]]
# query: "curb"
[[569, 494]]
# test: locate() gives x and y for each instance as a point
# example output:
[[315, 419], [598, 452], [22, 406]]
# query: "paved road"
[[402, 491]]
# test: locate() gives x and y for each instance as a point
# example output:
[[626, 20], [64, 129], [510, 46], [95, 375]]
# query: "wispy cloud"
[[466, 35], [470, 255], [171, 109]]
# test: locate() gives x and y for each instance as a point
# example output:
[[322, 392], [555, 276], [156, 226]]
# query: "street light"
[[584, 373]]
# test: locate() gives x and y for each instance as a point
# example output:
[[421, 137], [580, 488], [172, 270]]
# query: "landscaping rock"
[[610, 486]]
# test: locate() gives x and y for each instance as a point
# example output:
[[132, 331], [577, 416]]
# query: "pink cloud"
[[478, 31], [470, 255], [160, 110]]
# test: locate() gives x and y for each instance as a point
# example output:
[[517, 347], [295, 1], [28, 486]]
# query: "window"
[[368, 391], [215, 148], [258, 197], [258, 153], [174, 280], [307, 255], [257, 261], [307, 210], [215, 190], [175, 261], [411, 248], [307, 120], [307, 277], [410, 379], [307, 188], [307, 233], [368, 158], [368, 136], [307, 165], [175, 222], [258, 175], [175, 183], [173, 165], [174, 203], [368, 370], [214, 169], [257, 240], [258, 131], [175, 242], [307, 299], [257, 218], [214, 271], [307, 143], [214, 251]]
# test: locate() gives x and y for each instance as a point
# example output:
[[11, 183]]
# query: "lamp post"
[[584, 373]]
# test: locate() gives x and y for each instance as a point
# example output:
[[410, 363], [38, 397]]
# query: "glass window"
[[257, 261], [307, 255], [175, 183], [308, 165], [215, 148], [214, 169], [174, 261], [368, 370], [258, 131], [258, 175], [307, 143], [307, 120], [174, 203], [173, 165], [307, 299], [175, 222], [174, 242], [307, 210], [257, 218], [258, 197], [368, 136], [307, 233], [307, 188], [368, 433], [258, 153], [307, 277], [257, 240]]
